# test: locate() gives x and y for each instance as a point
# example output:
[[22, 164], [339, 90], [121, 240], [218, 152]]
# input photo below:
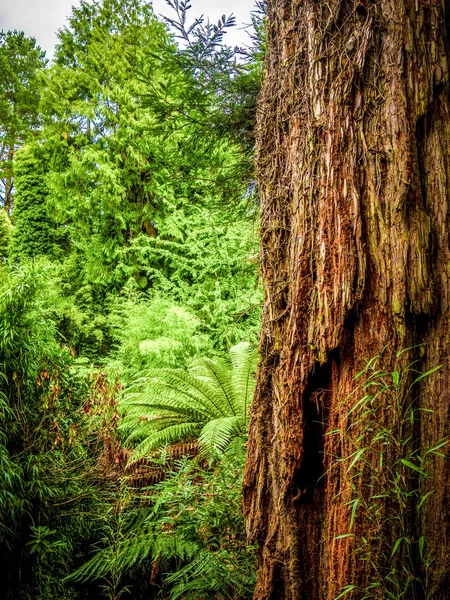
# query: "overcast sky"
[[42, 18]]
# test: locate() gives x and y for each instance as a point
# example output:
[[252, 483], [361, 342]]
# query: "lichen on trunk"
[[354, 169]]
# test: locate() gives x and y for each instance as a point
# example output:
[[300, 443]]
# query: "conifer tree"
[[20, 62], [136, 150], [33, 233], [5, 234]]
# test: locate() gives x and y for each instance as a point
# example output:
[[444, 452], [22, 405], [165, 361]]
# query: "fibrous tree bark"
[[354, 174]]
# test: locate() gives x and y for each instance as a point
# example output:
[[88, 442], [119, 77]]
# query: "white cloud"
[[42, 18], [38, 18]]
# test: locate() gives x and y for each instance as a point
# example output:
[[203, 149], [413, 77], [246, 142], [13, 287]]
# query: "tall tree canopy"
[[134, 154], [343, 485], [21, 60]]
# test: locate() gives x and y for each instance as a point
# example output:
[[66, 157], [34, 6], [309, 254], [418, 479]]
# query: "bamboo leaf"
[[422, 541], [426, 374], [439, 445], [414, 467], [396, 378], [397, 545], [346, 591], [353, 513], [356, 458], [423, 498]]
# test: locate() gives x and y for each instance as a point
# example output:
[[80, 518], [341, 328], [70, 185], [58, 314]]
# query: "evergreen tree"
[[135, 149], [33, 232], [6, 229], [103, 181], [21, 60]]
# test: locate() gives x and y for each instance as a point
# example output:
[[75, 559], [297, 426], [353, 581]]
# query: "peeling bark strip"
[[354, 173]]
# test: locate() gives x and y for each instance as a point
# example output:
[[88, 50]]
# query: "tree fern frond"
[[236, 449], [217, 434], [137, 546], [96, 567], [181, 384], [148, 428], [209, 574], [218, 373], [244, 359], [166, 436], [150, 410], [211, 399]]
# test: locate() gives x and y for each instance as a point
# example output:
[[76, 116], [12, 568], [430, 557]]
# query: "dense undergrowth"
[[128, 246]]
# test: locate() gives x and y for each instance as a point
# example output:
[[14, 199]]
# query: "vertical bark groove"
[[354, 173]]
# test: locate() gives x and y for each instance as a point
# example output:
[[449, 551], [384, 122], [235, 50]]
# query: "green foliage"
[[135, 154], [11, 486], [210, 401], [6, 230], [391, 499], [104, 181], [204, 259], [48, 452], [151, 332], [190, 532], [21, 60], [34, 233], [231, 77], [135, 180], [26, 333]]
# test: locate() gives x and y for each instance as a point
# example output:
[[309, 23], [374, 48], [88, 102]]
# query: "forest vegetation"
[[129, 305], [225, 304]]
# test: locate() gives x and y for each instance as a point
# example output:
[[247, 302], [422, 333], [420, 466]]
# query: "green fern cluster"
[[189, 533], [210, 401]]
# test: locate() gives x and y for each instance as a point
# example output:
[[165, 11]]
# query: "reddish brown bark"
[[354, 174]]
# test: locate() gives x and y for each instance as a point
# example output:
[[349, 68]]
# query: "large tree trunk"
[[354, 174]]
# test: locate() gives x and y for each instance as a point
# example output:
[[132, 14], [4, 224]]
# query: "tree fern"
[[210, 401], [218, 433]]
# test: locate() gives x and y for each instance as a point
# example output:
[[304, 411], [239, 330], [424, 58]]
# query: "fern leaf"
[[217, 434]]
